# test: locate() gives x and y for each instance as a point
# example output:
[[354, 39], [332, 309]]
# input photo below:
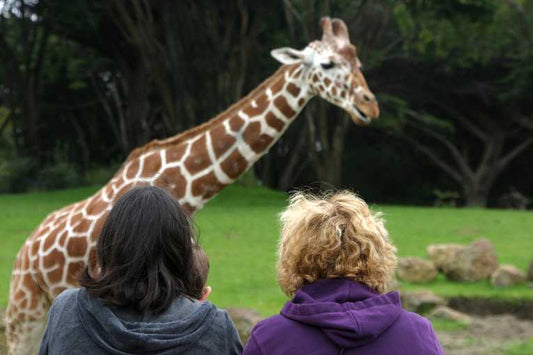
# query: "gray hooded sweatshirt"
[[80, 324]]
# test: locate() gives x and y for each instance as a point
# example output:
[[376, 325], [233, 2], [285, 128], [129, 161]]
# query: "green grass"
[[239, 231], [448, 325], [520, 348]]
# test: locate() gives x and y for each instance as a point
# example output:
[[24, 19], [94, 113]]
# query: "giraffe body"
[[194, 166]]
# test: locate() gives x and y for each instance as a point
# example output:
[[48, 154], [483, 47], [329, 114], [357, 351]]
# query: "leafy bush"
[[60, 175], [446, 198], [100, 175], [16, 174]]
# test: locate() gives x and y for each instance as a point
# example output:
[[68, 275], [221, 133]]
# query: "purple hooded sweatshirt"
[[339, 316]]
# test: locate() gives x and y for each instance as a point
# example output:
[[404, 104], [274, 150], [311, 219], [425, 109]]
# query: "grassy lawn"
[[239, 232]]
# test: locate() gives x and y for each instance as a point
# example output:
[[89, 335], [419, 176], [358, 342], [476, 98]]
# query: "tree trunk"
[[289, 175], [476, 195]]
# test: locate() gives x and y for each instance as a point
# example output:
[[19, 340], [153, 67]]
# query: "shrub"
[[100, 175], [59, 175], [16, 174]]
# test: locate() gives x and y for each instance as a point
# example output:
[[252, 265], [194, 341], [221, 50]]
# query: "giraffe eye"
[[327, 65]]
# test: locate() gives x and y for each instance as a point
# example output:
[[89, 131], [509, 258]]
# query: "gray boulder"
[[413, 269], [244, 319], [443, 312], [476, 262], [507, 275], [444, 256], [421, 301]]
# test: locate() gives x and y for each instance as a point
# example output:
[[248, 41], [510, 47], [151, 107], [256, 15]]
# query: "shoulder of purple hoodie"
[[410, 334]]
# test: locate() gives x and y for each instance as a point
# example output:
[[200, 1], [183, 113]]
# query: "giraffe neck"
[[198, 163]]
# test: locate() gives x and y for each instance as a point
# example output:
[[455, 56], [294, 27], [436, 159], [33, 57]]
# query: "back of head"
[[331, 237], [201, 272], [144, 252]]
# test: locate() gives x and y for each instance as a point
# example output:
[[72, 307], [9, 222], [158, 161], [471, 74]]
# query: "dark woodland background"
[[84, 82]]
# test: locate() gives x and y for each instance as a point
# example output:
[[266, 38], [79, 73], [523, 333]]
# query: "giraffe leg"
[[26, 314]]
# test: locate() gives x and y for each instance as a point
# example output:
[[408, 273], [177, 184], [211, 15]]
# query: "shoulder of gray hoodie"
[[81, 324]]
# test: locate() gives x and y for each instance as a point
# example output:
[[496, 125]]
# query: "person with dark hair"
[[144, 296], [199, 288]]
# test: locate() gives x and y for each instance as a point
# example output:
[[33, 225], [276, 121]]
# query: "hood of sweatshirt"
[[349, 313], [119, 331]]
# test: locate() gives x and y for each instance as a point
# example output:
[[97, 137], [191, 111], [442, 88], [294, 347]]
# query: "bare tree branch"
[[456, 154], [514, 153], [438, 161]]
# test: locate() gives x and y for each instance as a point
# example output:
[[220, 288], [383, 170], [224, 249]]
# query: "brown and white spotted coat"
[[194, 165]]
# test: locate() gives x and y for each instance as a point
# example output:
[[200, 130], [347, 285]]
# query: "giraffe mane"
[[181, 137]]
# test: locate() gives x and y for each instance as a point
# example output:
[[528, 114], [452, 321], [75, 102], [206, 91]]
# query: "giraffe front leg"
[[26, 315]]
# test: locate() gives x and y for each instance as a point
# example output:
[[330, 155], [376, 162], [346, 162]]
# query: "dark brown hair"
[[145, 252], [201, 271]]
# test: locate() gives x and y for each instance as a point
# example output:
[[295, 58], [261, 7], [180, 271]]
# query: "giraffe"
[[194, 165]]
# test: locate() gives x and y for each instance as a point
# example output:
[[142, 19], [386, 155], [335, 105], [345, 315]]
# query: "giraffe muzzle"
[[359, 117]]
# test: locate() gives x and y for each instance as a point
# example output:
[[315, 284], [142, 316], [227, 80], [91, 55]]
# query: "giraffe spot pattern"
[[175, 153], [131, 169], [257, 141], [198, 158], [207, 186], [281, 103], [261, 106], [274, 122], [77, 247], [293, 89], [234, 165], [151, 163], [221, 141], [236, 123], [173, 180]]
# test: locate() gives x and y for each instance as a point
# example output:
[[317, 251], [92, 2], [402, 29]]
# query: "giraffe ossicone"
[[194, 165]]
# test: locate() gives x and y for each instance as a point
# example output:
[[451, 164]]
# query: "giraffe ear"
[[288, 55]]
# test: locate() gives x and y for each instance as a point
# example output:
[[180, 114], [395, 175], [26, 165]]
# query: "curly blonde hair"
[[331, 237]]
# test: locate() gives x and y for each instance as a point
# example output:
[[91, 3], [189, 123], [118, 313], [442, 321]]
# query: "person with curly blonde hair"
[[336, 260]]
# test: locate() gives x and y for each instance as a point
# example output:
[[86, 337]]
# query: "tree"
[[456, 107], [23, 43]]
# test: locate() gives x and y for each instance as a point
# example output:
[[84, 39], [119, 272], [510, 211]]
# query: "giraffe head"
[[333, 71]]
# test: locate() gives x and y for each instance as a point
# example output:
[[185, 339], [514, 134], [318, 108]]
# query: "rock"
[[507, 275], [421, 301], [414, 269], [530, 272], [444, 256], [443, 312], [393, 285], [244, 319], [476, 262]]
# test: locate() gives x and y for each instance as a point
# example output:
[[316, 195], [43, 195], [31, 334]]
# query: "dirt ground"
[[484, 336], [487, 335], [3, 345]]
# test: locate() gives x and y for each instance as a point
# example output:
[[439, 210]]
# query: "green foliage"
[[59, 174], [461, 32], [100, 175], [446, 198], [16, 174]]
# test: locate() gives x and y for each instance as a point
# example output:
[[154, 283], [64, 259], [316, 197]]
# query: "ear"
[[205, 293], [288, 55]]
